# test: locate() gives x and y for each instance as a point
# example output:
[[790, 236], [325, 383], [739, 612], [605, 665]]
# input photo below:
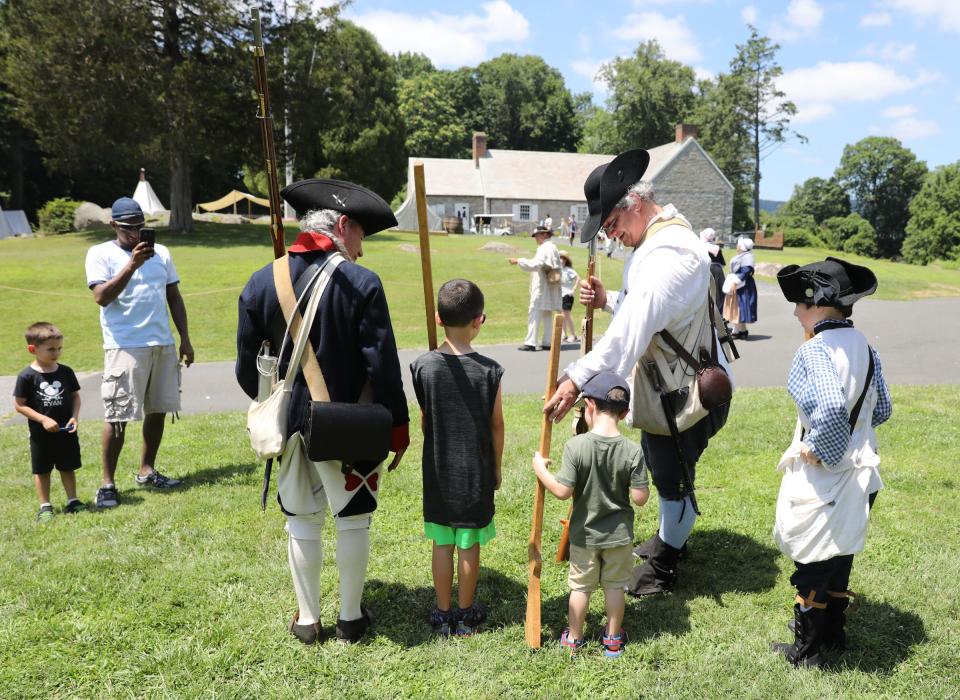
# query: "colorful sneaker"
[[75, 506], [107, 497], [157, 480], [442, 621], [45, 514], [613, 646], [574, 645], [470, 619]]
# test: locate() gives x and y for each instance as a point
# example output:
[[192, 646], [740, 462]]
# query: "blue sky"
[[855, 69]]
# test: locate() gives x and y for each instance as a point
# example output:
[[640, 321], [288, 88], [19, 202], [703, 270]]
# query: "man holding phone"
[[134, 281]]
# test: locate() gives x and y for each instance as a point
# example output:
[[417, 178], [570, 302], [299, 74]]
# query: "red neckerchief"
[[309, 241]]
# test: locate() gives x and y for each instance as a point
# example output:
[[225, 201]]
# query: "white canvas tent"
[[146, 197], [14, 223]]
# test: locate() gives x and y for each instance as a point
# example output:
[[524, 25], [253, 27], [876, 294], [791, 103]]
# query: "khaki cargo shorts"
[[138, 381], [600, 568]]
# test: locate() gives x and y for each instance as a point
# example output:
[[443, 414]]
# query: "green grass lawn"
[[43, 279], [186, 594]]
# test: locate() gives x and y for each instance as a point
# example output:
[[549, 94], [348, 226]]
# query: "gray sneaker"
[[157, 480], [45, 514], [107, 497]]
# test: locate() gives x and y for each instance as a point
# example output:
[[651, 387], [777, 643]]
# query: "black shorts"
[[567, 302], [661, 454], [60, 450]]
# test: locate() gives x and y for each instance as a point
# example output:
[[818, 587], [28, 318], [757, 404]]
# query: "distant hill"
[[770, 205]]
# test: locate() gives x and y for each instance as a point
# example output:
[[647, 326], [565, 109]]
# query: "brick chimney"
[[687, 130], [479, 147]]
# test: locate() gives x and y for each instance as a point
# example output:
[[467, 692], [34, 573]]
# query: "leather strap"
[[855, 413], [660, 225], [288, 303]]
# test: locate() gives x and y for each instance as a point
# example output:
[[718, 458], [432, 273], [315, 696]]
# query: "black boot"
[[808, 637], [659, 573], [644, 550], [351, 631], [308, 634], [835, 617]]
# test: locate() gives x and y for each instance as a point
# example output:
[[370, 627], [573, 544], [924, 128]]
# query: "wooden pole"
[[534, 554], [425, 265]]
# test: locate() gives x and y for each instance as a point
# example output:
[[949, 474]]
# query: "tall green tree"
[[155, 80], [882, 177], [820, 199], [411, 64], [725, 134], [768, 112], [524, 104], [648, 96], [434, 127], [933, 231]]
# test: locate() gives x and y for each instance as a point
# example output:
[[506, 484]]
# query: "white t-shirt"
[[138, 317]]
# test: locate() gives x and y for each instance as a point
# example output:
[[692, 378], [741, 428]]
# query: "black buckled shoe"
[[659, 573], [645, 550], [308, 634], [351, 631], [808, 638]]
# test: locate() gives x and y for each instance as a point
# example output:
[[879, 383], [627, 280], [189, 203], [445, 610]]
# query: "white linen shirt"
[[137, 318], [665, 283], [543, 296]]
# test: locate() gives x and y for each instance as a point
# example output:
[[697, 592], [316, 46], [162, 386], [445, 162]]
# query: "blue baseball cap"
[[600, 384], [124, 209]]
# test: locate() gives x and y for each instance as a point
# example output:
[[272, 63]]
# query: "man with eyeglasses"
[[665, 285], [134, 282]]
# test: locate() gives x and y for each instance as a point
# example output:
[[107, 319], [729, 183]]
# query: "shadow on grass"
[[879, 638], [401, 613], [215, 475]]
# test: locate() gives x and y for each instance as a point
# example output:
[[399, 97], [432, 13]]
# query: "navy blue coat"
[[351, 334]]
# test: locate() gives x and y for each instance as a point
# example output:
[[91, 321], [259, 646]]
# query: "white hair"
[[323, 221], [640, 191]]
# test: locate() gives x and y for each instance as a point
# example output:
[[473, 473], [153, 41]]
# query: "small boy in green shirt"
[[603, 471]]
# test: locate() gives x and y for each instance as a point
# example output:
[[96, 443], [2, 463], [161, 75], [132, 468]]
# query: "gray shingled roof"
[[536, 175]]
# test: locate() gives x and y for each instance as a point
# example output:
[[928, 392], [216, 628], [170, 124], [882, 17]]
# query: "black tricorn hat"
[[830, 282], [607, 184], [365, 207]]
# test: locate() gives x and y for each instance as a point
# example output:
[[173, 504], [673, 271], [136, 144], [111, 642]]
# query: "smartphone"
[[148, 235]]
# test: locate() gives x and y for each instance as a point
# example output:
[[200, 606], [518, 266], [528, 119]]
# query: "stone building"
[[524, 187]]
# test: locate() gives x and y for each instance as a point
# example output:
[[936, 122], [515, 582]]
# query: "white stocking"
[[306, 558], [353, 554]]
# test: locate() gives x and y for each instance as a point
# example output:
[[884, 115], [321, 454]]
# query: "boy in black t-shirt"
[[48, 394], [462, 420]]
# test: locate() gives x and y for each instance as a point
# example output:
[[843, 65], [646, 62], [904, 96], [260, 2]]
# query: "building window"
[[582, 213], [524, 212]]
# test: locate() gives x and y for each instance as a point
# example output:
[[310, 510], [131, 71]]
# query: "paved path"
[[918, 341]]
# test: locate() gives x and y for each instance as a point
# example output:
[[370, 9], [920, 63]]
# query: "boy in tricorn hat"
[[830, 471]]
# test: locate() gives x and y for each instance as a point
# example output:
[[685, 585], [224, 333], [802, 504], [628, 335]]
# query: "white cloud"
[[672, 33], [819, 89], [908, 129], [749, 14], [448, 40], [944, 13], [702, 73], [876, 19], [589, 68], [802, 20], [891, 51], [899, 112]]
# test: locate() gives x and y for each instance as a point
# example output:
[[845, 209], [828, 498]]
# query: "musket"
[[534, 555], [580, 423], [426, 268], [266, 136]]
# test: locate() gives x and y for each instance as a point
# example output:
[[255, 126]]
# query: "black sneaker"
[[470, 619], [45, 514], [442, 621], [157, 480], [75, 506], [107, 497]]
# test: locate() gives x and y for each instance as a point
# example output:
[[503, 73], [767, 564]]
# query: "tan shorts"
[[138, 381], [600, 568]]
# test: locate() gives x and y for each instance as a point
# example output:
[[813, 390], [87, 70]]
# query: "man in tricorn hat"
[[830, 471], [356, 351], [545, 295], [665, 285]]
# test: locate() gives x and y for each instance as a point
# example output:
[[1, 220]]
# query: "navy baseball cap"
[[125, 209], [600, 384]]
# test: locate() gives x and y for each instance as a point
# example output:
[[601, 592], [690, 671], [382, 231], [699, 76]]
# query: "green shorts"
[[462, 537]]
